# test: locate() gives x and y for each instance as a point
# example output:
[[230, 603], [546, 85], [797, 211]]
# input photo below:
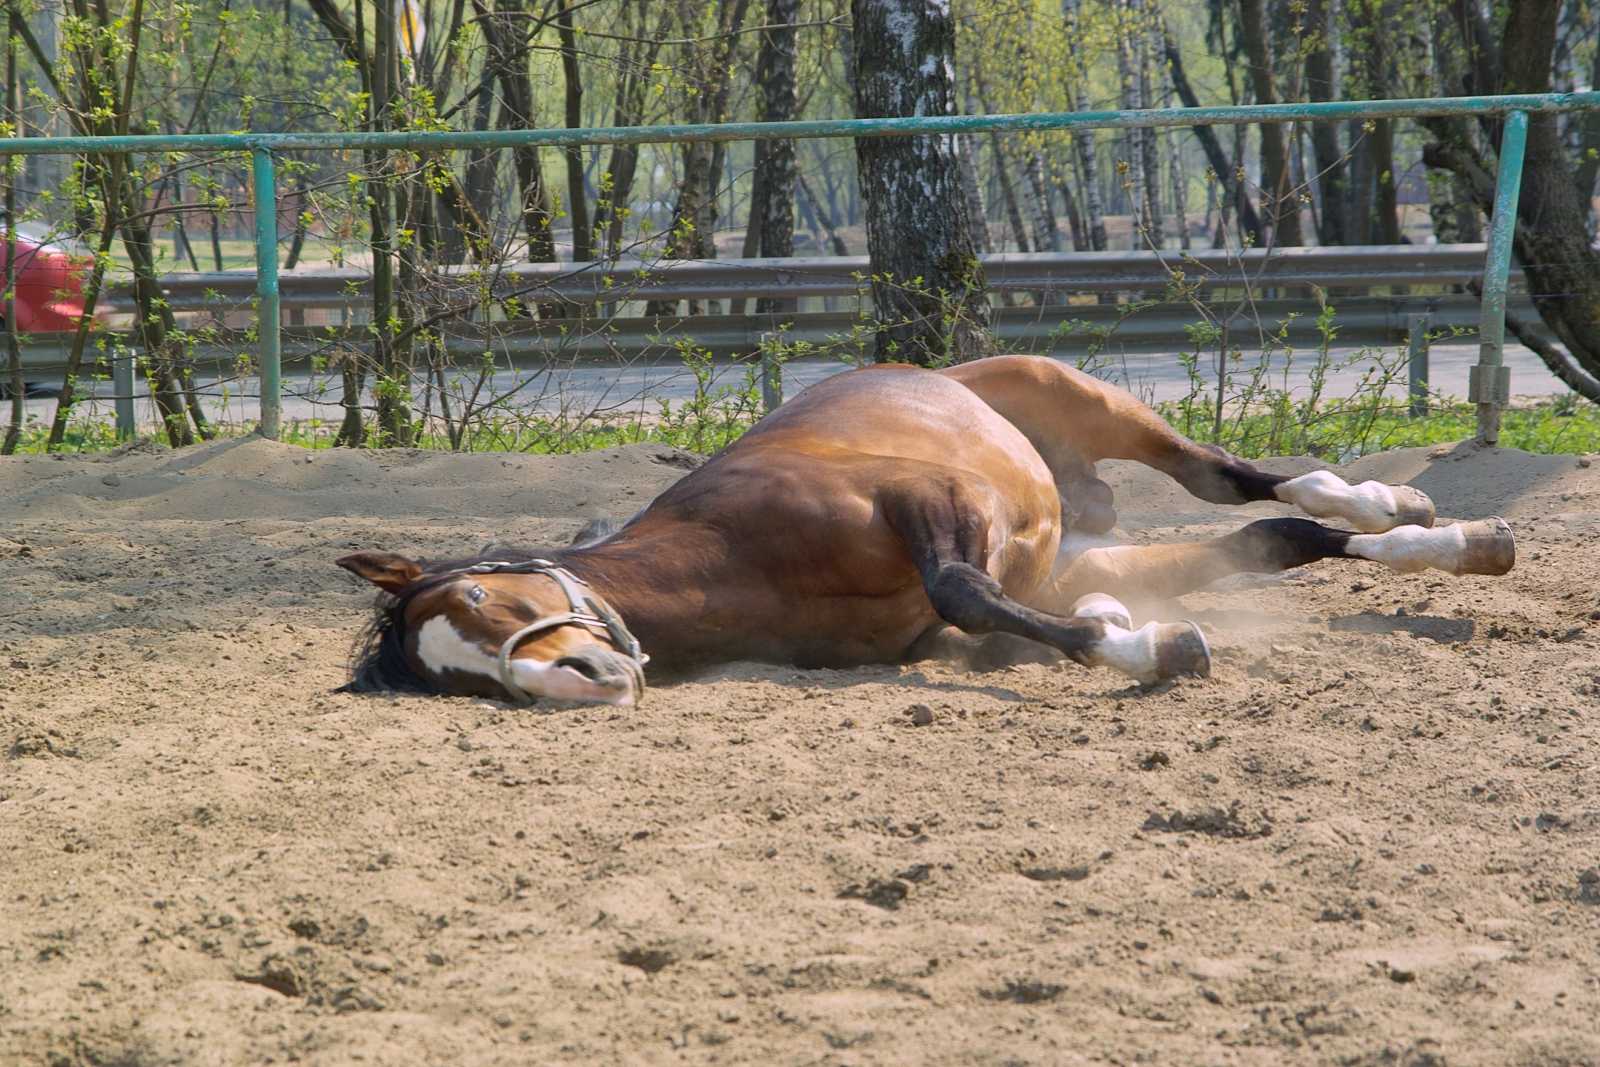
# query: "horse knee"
[[1089, 508], [964, 596]]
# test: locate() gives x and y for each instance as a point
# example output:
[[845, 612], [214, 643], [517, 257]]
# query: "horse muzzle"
[[613, 677]]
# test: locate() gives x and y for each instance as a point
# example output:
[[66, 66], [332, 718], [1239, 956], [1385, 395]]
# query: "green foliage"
[[1336, 431]]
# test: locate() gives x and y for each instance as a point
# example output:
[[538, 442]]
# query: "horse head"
[[505, 629]]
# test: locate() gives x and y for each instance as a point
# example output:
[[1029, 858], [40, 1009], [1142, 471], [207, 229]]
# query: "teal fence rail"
[[1489, 387]]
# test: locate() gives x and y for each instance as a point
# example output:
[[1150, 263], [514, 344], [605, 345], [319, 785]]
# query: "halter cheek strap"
[[584, 608]]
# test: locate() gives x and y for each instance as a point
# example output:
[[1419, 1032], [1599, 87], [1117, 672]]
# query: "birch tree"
[[927, 284]]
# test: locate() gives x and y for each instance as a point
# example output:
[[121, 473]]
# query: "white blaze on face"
[[1413, 548], [1370, 507], [441, 648]]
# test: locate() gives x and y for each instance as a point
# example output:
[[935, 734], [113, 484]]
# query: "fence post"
[[122, 390], [268, 319], [1489, 384], [1417, 376]]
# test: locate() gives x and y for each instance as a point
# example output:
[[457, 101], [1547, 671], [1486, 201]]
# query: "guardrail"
[[1064, 330], [1350, 267], [1489, 386], [1060, 330]]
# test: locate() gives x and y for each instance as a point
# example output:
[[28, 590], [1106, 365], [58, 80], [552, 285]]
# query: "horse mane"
[[378, 662]]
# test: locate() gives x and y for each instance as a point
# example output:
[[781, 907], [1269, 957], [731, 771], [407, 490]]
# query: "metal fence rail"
[[1490, 386], [1063, 330], [1348, 267]]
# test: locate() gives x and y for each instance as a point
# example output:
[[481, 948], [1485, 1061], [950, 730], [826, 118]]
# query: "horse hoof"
[[1490, 547], [1182, 649], [1107, 609], [1412, 506]]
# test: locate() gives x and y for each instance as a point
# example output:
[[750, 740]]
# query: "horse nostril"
[[588, 668]]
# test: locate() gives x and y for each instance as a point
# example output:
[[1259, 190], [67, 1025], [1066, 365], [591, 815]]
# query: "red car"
[[49, 280]]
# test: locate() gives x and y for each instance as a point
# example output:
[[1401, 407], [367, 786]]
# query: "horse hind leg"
[[1214, 475], [945, 534], [1482, 546], [1149, 574], [1075, 420], [992, 651]]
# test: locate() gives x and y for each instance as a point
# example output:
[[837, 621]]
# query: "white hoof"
[[1483, 546], [1370, 507], [1490, 547], [1104, 607], [1155, 651]]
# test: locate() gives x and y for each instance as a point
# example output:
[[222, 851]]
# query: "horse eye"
[[476, 594]]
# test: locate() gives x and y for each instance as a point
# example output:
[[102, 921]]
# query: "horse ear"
[[386, 570]]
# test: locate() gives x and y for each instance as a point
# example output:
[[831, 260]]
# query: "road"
[[640, 387]]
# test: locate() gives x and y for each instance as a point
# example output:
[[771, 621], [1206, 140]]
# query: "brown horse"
[[884, 515]]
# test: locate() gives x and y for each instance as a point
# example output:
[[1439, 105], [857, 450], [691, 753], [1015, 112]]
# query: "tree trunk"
[[1363, 186], [1454, 221], [1154, 213], [352, 372], [917, 225], [1180, 192], [835, 242], [1135, 179], [632, 89], [1083, 143], [1093, 206], [966, 149], [474, 203], [1322, 85], [155, 319], [577, 197], [216, 242], [1046, 234], [775, 74], [1386, 194], [508, 50], [1552, 242], [1218, 160], [392, 386], [1008, 193], [1589, 140], [1075, 224], [80, 336], [1280, 206], [19, 387], [694, 216]]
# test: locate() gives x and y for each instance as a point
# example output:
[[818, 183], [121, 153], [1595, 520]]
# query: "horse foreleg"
[[979, 652], [945, 534], [1159, 572]]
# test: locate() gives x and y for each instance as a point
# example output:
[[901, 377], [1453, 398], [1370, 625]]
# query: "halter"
[[584, 608]]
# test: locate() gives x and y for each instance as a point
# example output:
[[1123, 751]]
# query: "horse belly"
[[840, 588]]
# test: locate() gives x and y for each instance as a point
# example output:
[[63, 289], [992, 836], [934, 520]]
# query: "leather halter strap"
[[585, 608]]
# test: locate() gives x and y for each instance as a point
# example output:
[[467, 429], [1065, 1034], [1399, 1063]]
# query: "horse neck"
[[644, 572]]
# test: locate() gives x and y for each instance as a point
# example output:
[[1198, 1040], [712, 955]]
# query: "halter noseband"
[[584, 608]]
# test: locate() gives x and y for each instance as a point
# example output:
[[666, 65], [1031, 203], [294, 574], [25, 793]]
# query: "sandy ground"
[[1371, 838]]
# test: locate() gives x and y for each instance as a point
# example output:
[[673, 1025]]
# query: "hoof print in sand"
[[1213, 822]]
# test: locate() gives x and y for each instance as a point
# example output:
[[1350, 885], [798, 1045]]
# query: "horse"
[[886, 514]]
